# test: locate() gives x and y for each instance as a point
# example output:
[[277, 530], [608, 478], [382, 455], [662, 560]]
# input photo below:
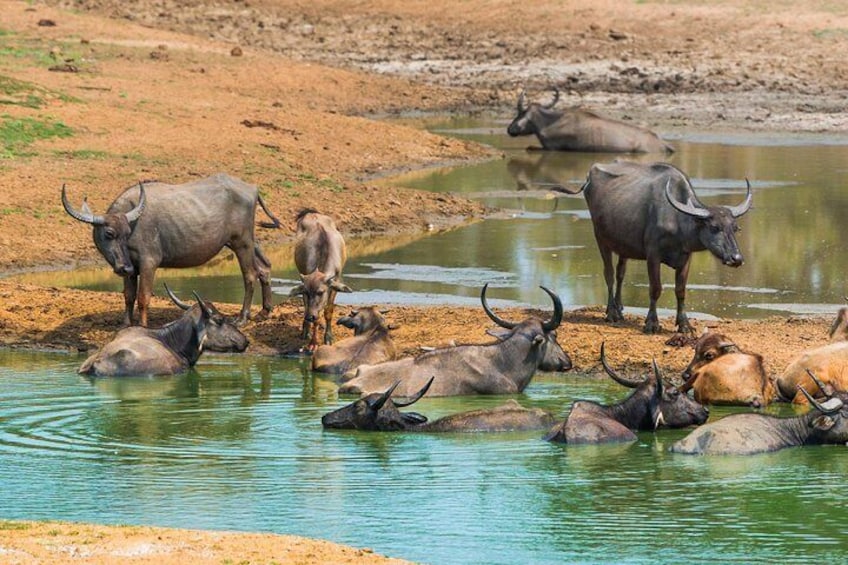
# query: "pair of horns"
[[85, 215], [698, 210], [548, 326], [186, 306], [378, 403], [830, 406], [626, 381], [522, 100]]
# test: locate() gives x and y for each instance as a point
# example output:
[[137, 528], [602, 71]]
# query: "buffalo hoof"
[[262, 315], [614, 315], [652, 327], [680, 340]]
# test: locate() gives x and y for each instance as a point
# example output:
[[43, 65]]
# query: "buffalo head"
[[364, 320], [315, 288], [839, 329], [377, 412], [710, 346], [831, 427], [112, 231], [527, 121], [716, 225], [222, 335]]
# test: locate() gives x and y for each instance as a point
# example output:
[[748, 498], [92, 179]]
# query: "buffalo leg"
[[307, 321], [145, 291], [130, 293], [652, 323], [680, 277], [263, 270], [245, 256], [613, 314], [328, 317], [620, 269]]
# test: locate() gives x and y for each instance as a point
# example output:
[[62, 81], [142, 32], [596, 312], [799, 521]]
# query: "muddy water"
[[792, 240], [237, 444]]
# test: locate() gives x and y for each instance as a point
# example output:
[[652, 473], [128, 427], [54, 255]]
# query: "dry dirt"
[[284, 94]]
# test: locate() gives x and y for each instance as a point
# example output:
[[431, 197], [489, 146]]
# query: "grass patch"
[[14, 92], [17, 134], [83, 154], [6, 525]]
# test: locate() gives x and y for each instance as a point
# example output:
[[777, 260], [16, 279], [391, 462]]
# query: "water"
[[792, 239], [237, 444]]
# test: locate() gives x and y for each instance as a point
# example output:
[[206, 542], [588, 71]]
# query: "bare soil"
[[284, 94]]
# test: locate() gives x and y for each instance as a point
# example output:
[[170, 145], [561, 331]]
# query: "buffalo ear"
[[297, 290], [340, 287], [499, 333], [823, 423]]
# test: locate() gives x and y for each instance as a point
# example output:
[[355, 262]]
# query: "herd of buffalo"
[[644, 212]]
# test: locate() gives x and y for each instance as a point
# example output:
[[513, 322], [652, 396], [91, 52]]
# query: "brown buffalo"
[[371, 344], [721, 373]]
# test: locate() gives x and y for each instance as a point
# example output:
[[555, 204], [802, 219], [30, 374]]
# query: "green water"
[[237, 444]]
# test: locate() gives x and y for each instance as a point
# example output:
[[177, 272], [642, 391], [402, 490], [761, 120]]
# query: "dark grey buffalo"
[[168, 350], [378, 412], [371, 343], [223, 337], [320, 255], [576, 129], [651, 213], [505, 367], [652, 404], [747, 434], [160, 225]]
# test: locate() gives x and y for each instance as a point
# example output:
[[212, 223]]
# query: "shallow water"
[[237, 444]]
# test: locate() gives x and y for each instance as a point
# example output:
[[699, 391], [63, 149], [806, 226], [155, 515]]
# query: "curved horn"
[[174, 298], [688, 384], [615, 376], [815, 404], [206, 310], [490, 314], [687, 208], [556, 319], [657, 375], [135, 213], [818, 382], [522, 100], [553, 102], [737, 211], [377, 404], [86, 217], [417, 395]]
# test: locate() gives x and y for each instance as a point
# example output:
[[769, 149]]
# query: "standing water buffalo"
[[576, 129], [505, 367], [168, 350], [223, 337], [650, 212], [651, 405], [721, 373], [371, 344], [378, 412], [160, 225], [320, 256], [747, 434]]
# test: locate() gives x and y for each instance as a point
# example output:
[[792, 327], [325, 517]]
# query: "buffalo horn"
[[174, 298], [553, 102], [522, 101], [417, 396], [490, 314], [686, 208], [377, 404], [206, 310], [629, 383], [737, 211], [658, 376], [688, 383], [817, 381], [85, 216], [820, 407], [556, 318], [135, 213]]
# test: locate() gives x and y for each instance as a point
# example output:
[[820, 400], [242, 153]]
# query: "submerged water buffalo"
[[168, 350], [505, 367], [651, 213], [829, 362], [747, 434], [651, 405], [378, 412], [320, 256], [156, 225], [371, 344], [223, 337], [576, 129], [721, 373]]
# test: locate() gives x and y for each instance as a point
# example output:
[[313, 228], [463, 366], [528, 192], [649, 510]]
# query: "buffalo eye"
[[715, 229], [709, 355], [109, 233]]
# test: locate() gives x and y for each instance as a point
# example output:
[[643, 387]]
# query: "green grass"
[[17, 134], [14, 92], [6, 525], [83, 154]]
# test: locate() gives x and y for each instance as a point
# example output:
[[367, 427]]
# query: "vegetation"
[[17, 134]]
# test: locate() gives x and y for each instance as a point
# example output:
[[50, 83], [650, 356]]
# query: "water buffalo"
[[223, 337], [159, 225], [651, 405], [650, 212], [576, 129], [168, 350], [371, 344], [505, 367], [721, 373], [320, 256], [747, 434], [829, 362], [378, 412]]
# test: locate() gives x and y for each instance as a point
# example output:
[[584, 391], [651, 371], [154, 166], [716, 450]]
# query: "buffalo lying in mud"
[[721, 373], [651, 213], [576, 129], [168, 350], [651, 405], [370, 344], [224, 337], [159, 225], [320, 255], [747, 434], [505, 367], [829, 363], [378, 412]]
